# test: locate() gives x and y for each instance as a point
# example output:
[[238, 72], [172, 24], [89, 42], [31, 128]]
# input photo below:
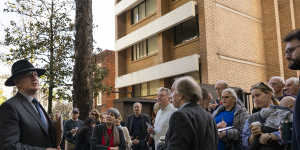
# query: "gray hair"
[[161, 89], [223, 83], [231, 91], [294, 80], [189, 88], [138, 103], [114, 111], [279, 78]]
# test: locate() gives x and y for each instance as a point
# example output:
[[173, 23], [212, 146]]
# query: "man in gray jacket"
[[24, 124]]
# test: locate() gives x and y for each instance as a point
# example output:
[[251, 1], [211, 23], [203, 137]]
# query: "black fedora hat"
[[21, 67]]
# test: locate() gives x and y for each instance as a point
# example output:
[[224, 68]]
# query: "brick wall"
[[107, 60], [247, 33]]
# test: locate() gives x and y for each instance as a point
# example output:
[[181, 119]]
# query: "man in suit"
[[191, 127], [137, 126], [24, 124]]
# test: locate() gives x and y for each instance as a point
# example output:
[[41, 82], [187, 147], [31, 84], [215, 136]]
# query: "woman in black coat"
[[83, 139]]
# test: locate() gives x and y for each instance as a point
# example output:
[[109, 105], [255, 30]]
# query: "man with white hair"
[[277, 83], [219, 86], [288, 102], [137, 127], [291, 87], [161, 123], [191, 127]]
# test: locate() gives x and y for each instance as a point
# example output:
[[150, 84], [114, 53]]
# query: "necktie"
[[40, 111]]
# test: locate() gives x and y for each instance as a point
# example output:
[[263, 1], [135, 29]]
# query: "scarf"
[[115, 134]]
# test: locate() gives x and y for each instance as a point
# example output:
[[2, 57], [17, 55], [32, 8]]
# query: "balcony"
[[125, 5], [183, 65], [161, 24]]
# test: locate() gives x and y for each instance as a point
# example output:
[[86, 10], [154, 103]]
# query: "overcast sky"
[[104, 35]]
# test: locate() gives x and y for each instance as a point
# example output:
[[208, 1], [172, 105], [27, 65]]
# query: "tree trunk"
[[51, 75], [82, 93]]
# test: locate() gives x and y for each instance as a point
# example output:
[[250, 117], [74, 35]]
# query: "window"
[[144, 48], [186, 31], [154, 85], [152, 45], [141, 11], [146, 89], [136, 90], [99, 98]]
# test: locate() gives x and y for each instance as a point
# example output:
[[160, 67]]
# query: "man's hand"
[[264, 138], [221, 124], [212, 107], [73, 131], [49, 148], [135, 141], [114, 148], [221, 134], [255, 130], [150, 130]]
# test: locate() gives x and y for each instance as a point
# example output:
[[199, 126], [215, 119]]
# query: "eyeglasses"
[[94, 114], [291, 49], [30, 74], [225, 97]]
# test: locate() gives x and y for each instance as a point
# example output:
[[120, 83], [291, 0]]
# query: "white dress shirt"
[[161, 124]]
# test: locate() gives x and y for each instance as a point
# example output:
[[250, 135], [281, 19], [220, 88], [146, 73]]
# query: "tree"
[[82, 94], [45, 37]]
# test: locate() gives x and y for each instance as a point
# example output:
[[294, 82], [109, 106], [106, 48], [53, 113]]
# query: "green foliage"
[[45, 36], [2, 98], [99, 73]]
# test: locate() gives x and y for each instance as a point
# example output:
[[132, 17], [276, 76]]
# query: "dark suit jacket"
[[21, 127], [142, 138], [191, 128]]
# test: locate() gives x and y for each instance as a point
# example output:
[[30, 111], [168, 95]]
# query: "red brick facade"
[[106, 59]]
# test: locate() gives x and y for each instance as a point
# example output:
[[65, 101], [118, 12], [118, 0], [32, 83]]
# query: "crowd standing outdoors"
[[185, 117]]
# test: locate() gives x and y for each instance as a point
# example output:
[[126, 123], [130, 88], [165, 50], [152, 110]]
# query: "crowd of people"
[[185, 117]]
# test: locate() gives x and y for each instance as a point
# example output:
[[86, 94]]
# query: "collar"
[[75, 119], [183, 105], [29, 98], [167, 107]]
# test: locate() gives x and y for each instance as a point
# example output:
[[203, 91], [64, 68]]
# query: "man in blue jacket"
[[292, 54]]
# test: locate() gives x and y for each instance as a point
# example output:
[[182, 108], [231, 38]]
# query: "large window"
[[99, 98], [144, 48], [186, 31], [146, 89], [144, 9]]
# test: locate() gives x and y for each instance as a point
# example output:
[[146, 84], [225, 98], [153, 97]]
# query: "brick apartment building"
[[238, 41], [105, 100]]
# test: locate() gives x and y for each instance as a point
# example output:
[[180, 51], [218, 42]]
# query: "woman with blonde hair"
[[261, 129], [94, 114], [125, 132]]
